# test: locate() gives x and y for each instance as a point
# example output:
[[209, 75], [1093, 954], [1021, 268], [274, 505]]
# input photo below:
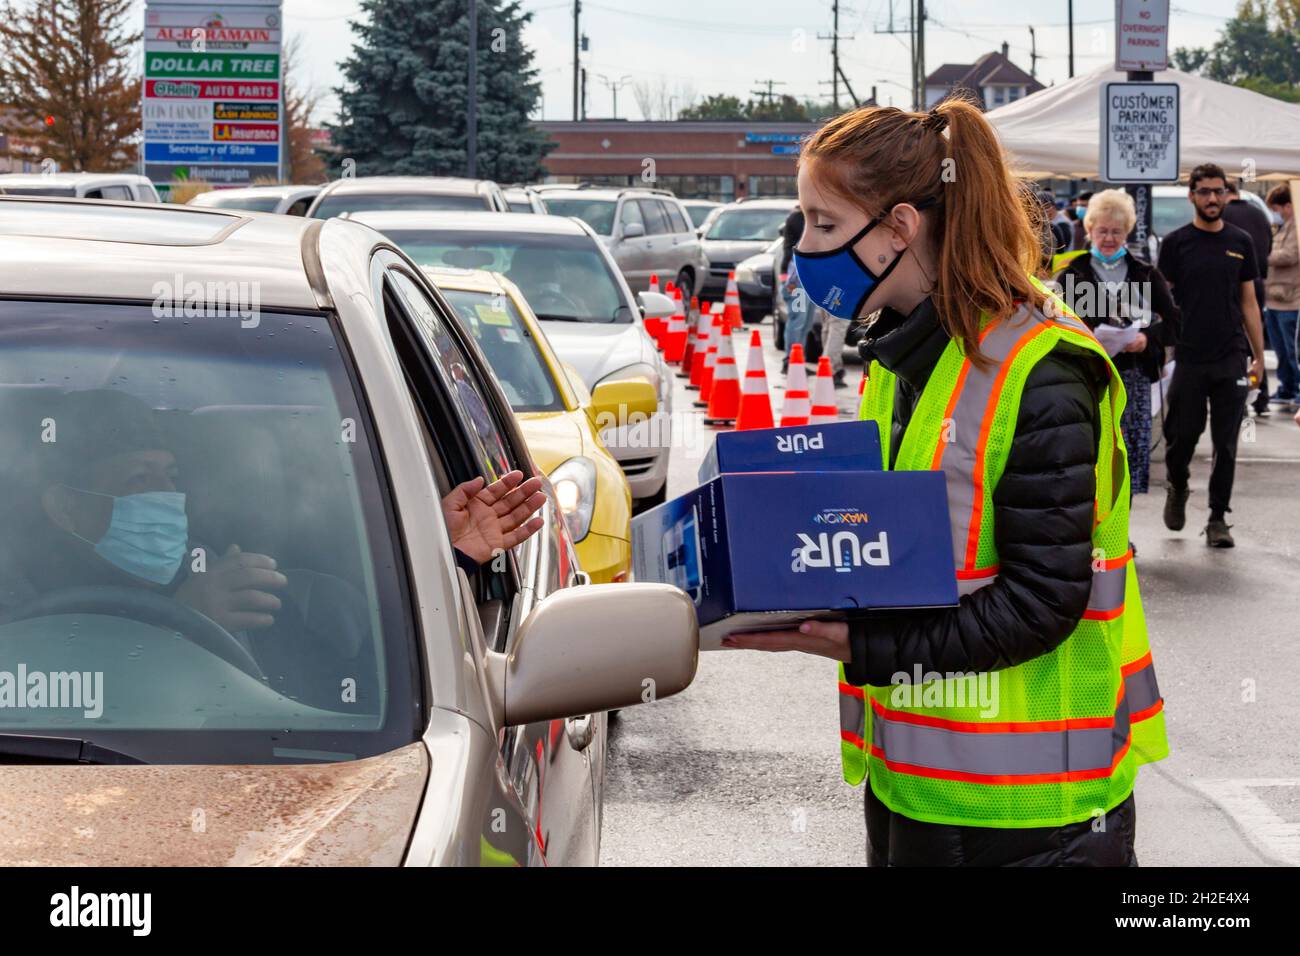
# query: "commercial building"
[[696, 159]]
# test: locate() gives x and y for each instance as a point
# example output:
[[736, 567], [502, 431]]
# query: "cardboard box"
[[765, 551], [842, 446]]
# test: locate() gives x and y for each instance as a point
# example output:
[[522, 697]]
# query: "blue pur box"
[[765, 551], [840, 446]]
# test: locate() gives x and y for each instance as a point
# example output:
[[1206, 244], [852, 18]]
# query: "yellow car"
[[559, 417]]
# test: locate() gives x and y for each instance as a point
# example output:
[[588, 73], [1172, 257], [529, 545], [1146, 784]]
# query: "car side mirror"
[[656, 305], [614, 403], [633, 230], [599, 647]]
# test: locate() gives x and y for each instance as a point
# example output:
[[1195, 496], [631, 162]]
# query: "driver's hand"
[[235, 590]]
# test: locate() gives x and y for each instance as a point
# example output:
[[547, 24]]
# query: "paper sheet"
[[1115, 339]]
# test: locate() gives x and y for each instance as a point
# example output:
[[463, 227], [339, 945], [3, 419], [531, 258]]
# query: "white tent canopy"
[[1055, 131]]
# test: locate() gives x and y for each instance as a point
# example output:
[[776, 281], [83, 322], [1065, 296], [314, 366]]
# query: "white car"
[[286, 200], [122, 186], [590, 316], [373, 193], [242, 387]]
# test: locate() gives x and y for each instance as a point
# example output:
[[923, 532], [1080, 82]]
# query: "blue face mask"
[[1111, 259], [837, 280], [1080, 212], [147, 534]]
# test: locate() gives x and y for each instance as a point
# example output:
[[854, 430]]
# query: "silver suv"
[[734, 233], [648, 231], [425, 193]]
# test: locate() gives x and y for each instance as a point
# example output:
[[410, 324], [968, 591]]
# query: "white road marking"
[[1277, 838]]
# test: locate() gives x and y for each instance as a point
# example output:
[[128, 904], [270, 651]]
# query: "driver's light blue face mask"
[[837, 280], [147, 534]]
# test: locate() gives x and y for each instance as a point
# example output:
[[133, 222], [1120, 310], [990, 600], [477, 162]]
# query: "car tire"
[[645, 504], [686, 280], [812, 346]]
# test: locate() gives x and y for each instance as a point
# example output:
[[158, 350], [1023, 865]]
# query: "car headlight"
[[639, 370], [575, 493], [746, 274]]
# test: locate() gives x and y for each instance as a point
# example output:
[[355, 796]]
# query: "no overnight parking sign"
[[212, 105]]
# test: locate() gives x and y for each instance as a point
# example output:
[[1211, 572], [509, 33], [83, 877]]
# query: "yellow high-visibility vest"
[[1070, 727]]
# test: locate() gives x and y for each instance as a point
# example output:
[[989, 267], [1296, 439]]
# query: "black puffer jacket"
[[1043, 513]]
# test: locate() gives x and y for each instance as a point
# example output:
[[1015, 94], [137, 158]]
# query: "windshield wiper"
[[37, 749], [549, 317]]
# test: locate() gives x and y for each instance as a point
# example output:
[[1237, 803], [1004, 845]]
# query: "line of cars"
[[401, 708]]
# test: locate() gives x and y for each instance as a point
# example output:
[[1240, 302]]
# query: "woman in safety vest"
[[1036, 700]]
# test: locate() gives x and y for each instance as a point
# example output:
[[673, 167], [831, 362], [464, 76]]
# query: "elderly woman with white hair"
[[1127, 302]]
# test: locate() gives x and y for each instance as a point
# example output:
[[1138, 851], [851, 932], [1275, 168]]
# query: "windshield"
[[597, 213], [563, 278], [196, 549], [509, 347], [337, 205], [747, 224], [1168, 213], [250, 203], [699, 212], [37, 190]]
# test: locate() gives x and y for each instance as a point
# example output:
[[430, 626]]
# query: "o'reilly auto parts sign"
[[213, 91]]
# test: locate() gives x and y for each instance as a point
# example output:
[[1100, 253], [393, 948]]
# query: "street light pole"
[[1070, 15], [471, 117]]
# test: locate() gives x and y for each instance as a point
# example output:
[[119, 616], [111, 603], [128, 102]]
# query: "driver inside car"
[[110, 512]]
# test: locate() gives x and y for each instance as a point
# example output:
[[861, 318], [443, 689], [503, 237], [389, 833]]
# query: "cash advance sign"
[[212, 91]]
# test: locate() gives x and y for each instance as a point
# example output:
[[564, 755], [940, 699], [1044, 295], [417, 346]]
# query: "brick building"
[[696, 159]]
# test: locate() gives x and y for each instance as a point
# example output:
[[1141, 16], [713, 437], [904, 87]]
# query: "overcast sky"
[[728, 46]]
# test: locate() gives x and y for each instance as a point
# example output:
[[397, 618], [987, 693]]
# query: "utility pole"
[[1070, 9], [577, 43], [837, 71], [583, 110], [471, 117], [614, 86], [920, 55], [767, 96], [1033, 54], [917, 88]]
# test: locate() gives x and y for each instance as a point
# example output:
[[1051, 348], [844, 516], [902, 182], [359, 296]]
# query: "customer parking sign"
[[1139, 126]]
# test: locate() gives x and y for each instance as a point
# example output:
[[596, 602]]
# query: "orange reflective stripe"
[[853, 715], [987, 727], [1010, 753], [977, 502]]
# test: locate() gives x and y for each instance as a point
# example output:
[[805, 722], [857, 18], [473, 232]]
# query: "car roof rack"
[[653, 190]]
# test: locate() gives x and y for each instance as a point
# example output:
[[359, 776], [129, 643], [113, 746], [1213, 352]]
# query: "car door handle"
[[580, 731]]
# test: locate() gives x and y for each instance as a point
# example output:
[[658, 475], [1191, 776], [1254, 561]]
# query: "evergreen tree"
[[403, 108]]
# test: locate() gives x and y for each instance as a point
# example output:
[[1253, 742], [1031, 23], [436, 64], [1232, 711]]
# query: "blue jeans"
[[798, 317], [1281, 326]]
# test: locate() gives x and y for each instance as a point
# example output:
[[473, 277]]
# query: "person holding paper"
[[1009, 728], [1127, 303]]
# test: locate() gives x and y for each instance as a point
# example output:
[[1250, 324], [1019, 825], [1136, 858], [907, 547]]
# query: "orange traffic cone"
[[724, 395], [731, 304], [675, 337], [755, 403], [654, 326], [716, 331], [703, 335], [796, 408], [824, 410], [692, 336]]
